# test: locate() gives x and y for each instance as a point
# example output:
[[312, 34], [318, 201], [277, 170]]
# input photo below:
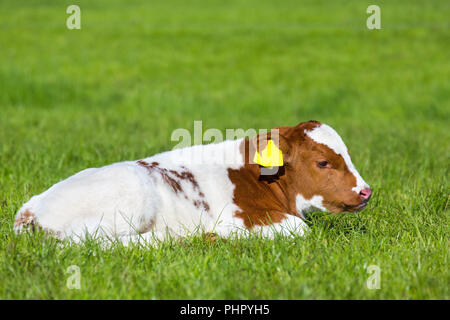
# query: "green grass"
[[137, 70]]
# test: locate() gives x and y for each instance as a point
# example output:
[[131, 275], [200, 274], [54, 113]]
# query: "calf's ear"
[[271, 151]]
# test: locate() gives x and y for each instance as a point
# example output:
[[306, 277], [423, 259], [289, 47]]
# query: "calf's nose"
[[365, 194]]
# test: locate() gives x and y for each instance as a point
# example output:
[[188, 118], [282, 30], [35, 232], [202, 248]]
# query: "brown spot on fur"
[[27, 220], [211, 237], [174, 178], [147, 227], [165, 174], [201, 204], [269, 200]]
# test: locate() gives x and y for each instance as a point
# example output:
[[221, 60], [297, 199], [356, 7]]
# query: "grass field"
[[137, 70]]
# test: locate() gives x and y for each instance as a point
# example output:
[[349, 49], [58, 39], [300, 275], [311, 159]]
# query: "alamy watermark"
[[373, 282], [74, 280], [374, 20], [74, 20], [263, 146]]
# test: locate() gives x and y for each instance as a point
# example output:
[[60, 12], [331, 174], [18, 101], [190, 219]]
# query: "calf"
[[212, 188]]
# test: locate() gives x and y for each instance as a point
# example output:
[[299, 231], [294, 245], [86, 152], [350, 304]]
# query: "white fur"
[[313, 204], [290, 226], [326, 135], [124, 199]]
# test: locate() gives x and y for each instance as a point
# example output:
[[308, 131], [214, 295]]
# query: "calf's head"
[[318, 170]]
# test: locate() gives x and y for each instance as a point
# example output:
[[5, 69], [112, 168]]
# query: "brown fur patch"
[[211, 238], [147, 227], [266, 201], [165, 174], [27, 220], [201, 204], [174, 178]]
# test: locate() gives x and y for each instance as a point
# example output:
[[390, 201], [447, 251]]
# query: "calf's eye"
[[323, 164]]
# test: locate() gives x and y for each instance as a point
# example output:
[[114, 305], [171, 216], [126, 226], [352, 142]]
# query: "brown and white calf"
[[212, 188]]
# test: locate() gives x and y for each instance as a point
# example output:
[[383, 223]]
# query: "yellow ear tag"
[[271, 156]]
